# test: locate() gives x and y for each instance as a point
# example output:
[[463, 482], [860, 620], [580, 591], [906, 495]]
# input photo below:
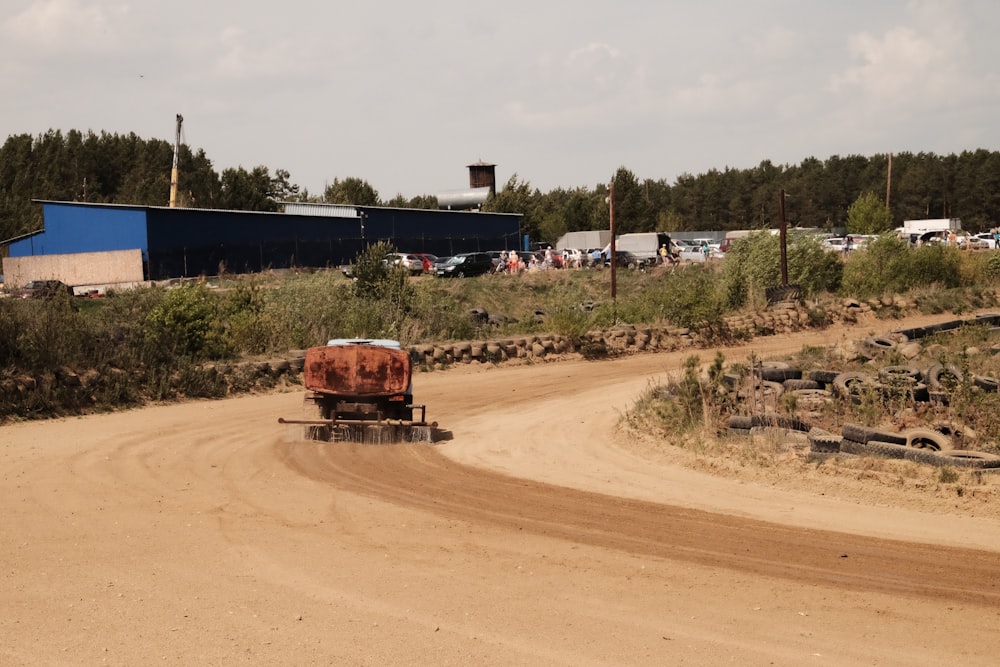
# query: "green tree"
[[632, 211], [351, 191], [518, 197], [868, 215], [244, 190]]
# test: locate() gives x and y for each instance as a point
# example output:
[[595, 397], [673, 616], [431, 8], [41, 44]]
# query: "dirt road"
[[203, 534]]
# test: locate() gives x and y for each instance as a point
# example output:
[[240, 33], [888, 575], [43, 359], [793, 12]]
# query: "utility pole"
[[783, 231], [173, 170], [888, 182], [614, 259]]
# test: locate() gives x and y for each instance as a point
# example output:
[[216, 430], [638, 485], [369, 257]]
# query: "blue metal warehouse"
[[182, 242]]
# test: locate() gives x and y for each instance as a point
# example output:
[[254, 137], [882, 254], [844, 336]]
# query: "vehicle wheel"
[[927, 438], [313, 410], [460, 274]]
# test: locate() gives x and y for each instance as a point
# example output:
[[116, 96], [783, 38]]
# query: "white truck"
[[585, 240], [643, 246], [922, 231]]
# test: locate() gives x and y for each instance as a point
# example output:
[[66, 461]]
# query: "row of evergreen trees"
[[126, 169]]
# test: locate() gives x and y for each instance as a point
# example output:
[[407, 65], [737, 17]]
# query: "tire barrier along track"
[[767, 421]]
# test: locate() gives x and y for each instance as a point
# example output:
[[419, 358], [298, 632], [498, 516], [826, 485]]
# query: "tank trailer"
[[361, 390]]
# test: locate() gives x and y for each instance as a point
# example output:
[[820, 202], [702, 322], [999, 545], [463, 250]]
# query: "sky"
[[405, 95]]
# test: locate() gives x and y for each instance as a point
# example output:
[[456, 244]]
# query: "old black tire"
[[927, 438], [740, 422], [944, 376], [899, 374], [850, 386], [796, 384], [925, 456], [852, 447], [777, 371], [886, 450], [823, 442], [311, 411], [987, 383], [963, 458], [863, 434], [823, 376], [779, 421], [878, 345], [915, 333]]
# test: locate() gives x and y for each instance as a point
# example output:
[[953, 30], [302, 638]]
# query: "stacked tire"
[[920, 445]]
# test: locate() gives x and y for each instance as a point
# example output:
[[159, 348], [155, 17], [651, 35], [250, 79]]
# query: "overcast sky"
[[406, 94]]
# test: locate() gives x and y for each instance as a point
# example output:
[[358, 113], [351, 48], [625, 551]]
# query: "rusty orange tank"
[[361, 390]]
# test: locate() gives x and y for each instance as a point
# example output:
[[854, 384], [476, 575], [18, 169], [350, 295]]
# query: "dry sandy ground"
[[203, 534]]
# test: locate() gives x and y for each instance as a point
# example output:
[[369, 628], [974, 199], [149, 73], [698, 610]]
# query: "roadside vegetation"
[[162, 343], [690, 418]]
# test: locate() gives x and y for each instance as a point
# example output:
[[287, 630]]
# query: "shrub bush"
[[754, 263]]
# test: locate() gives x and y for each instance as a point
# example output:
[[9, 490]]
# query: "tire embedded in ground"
[[987, 383], [812, 400], [743, 422], [863, 434], [944, 376], [899, 374], [776, 371], [823, 376], [886, 450], [793, 384], [779, 421], [851, 386], [926, 438], [878, 345], [963, 458], [823, 442]]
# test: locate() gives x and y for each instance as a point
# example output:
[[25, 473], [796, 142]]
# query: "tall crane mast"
[[173, 170]]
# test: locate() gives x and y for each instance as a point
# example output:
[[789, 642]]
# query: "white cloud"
[[922, 62], [593, 85], [66, 26]]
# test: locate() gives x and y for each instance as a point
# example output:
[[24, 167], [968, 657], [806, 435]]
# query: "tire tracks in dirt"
[[419, 477]]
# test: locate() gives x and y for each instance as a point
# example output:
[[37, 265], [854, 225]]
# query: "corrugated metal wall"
[[179, 242]]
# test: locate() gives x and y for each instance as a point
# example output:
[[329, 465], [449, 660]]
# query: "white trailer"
[[932, 225], [645, 246], [922, 231], [585, 240]]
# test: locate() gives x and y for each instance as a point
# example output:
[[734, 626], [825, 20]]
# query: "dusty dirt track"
[[203, 534]]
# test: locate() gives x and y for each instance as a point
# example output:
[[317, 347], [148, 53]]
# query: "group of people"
[[514, 262]]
